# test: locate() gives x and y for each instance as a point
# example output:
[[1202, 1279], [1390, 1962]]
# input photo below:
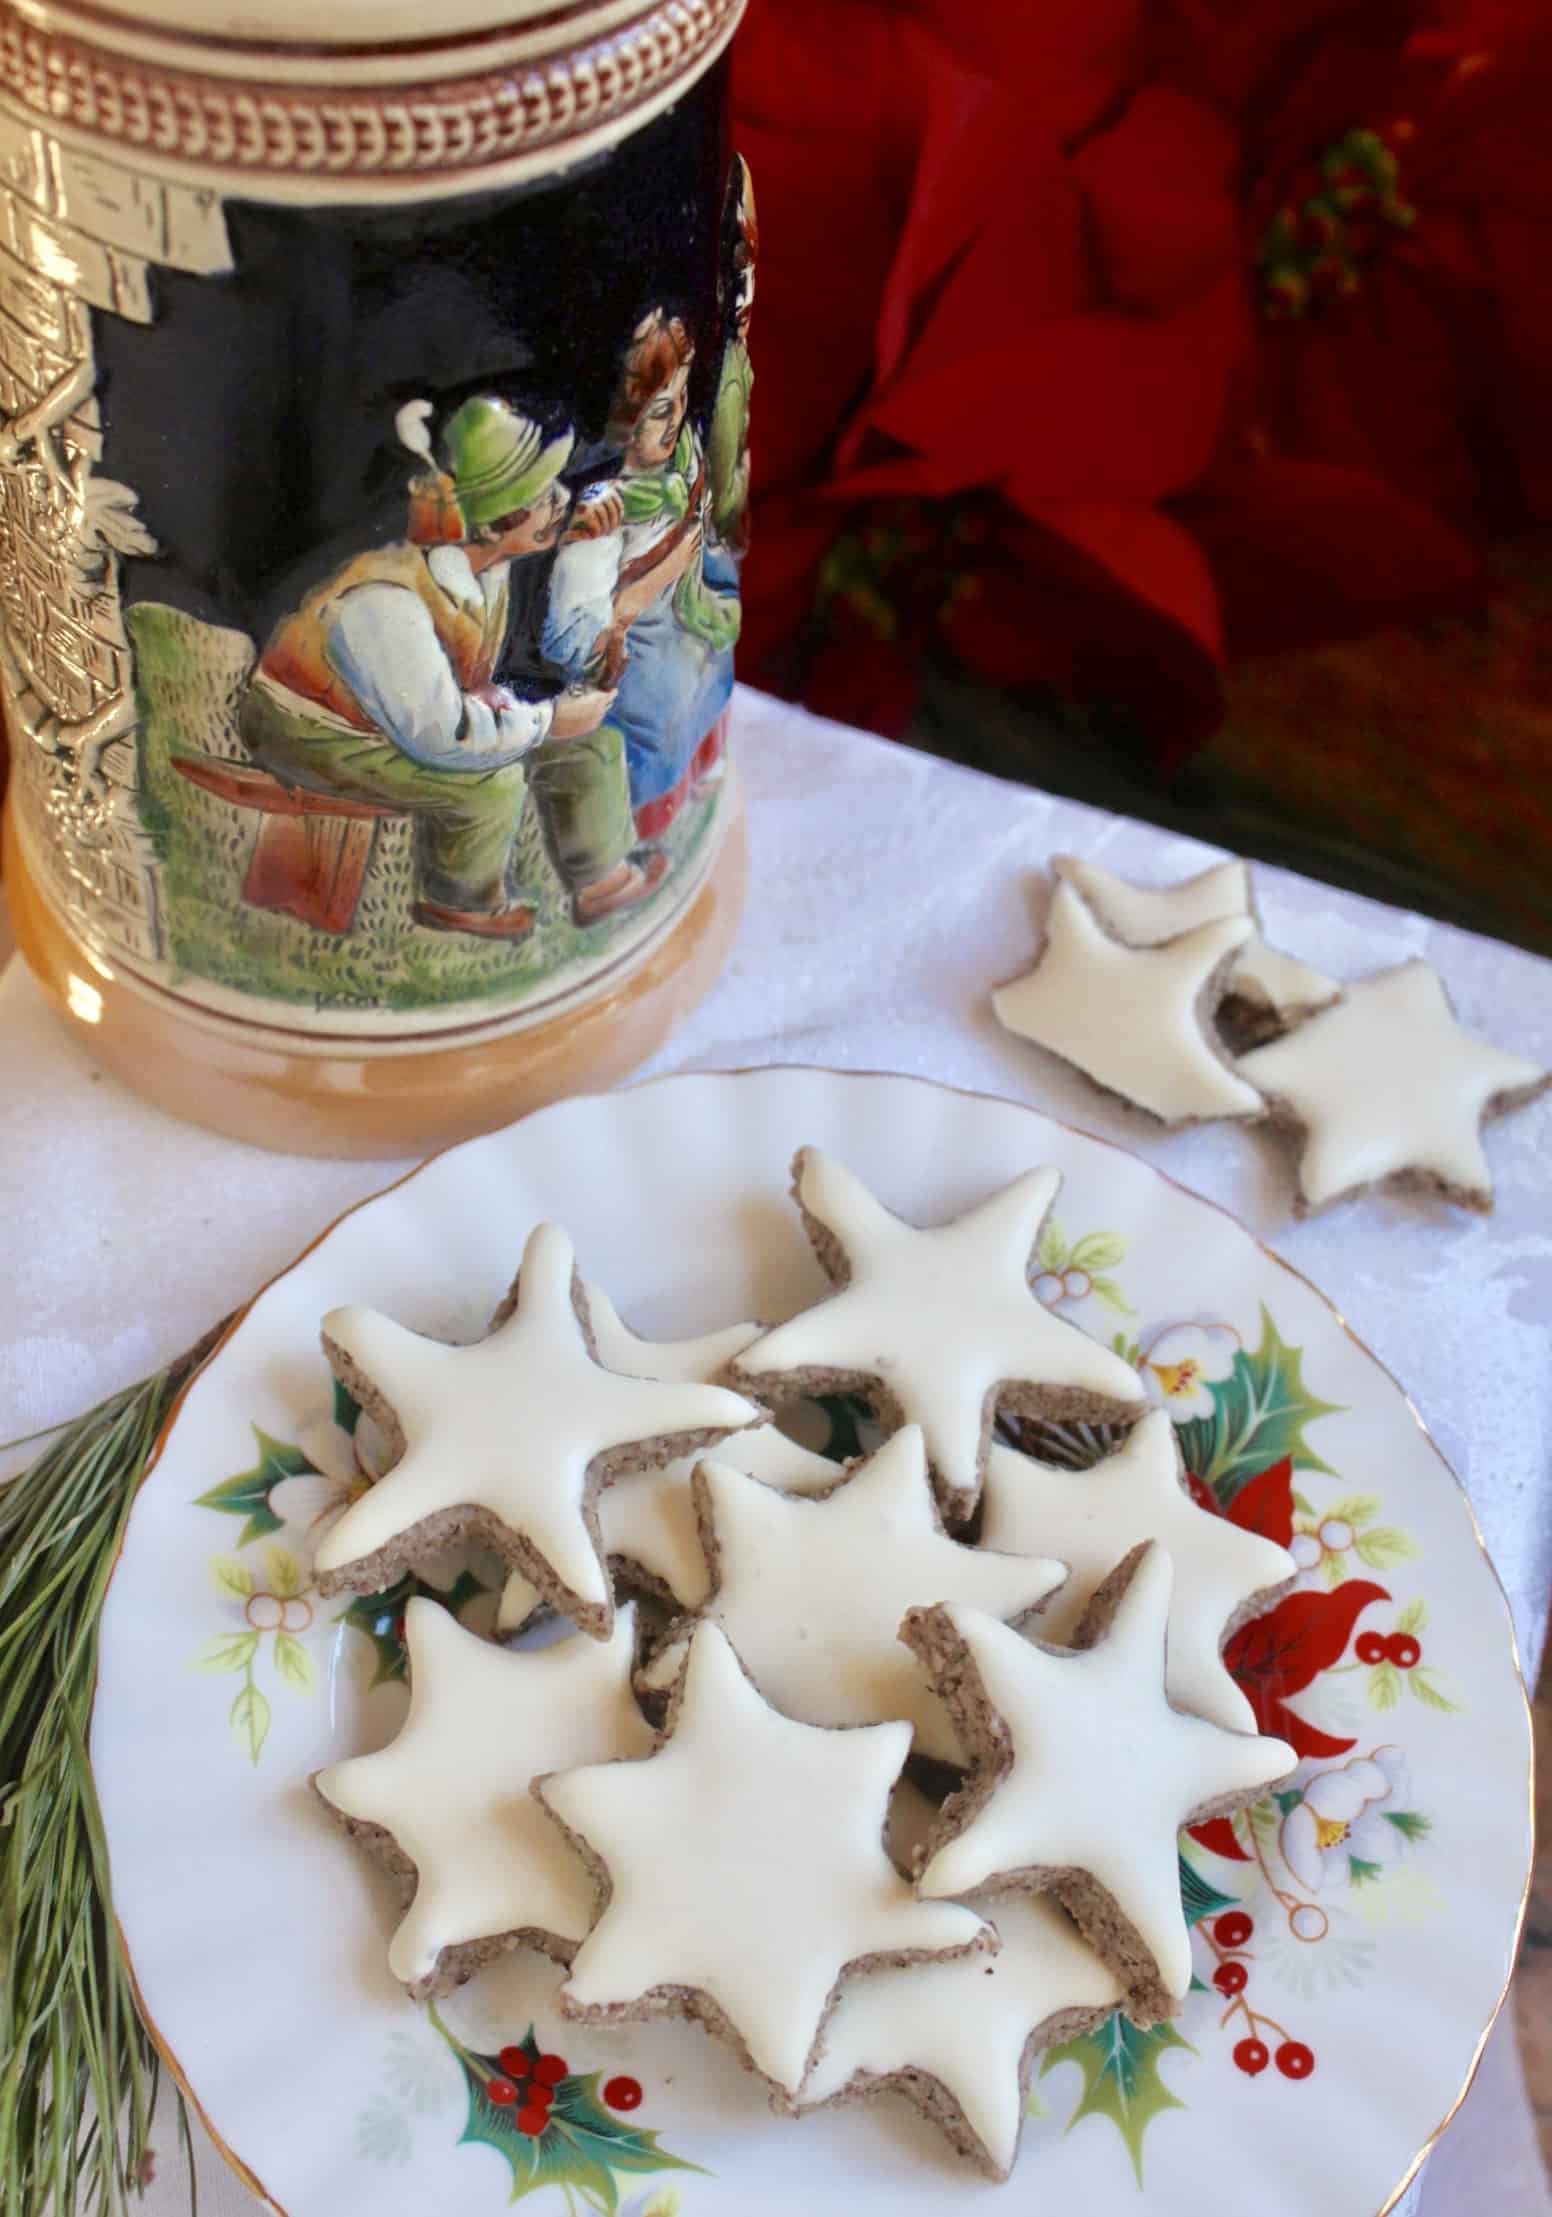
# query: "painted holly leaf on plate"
[[247, 1495], [554, 2127], [1121, 2080], [1259, 1414], [1198, 1896]]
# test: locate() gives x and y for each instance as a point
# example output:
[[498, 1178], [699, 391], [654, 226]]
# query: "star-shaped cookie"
[[1083, 1776], [1134, 1019], [742, 1870], [1391, 1091], [1277, 989], [447, 1802], [1091, 1518], [647, 1522], [971, 2027], [646, 1518], [506, 1441], [811, 1592], [937, 1325]]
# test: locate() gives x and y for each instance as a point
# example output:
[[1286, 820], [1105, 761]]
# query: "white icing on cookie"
[[746, 1862], [1147, 915], [648, 1517], [669, 1361], [1092, 1518], [1129, 1017], [967, 2022], [811, 1593], [942, 1318], [453, 1787], [1104, 1771], [511, 1424], [1387, 1081], [1281, 982]]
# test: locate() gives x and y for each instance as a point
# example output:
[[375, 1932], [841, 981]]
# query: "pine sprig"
[[78, 2071]]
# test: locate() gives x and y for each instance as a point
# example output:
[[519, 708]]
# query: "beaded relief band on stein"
[[373, 477]]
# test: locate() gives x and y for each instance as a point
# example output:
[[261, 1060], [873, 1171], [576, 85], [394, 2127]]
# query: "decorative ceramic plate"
[[1353, 1934]]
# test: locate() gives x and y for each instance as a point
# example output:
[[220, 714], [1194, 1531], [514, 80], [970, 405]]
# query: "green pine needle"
[[78, 2071]]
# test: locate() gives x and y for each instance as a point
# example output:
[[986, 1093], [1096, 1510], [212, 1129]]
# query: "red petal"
[[1160, 190], [1280, 1653], [1265, 1504], [1217, 1834]]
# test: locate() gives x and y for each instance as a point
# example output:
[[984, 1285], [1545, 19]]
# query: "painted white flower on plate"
[[318, 1498], [1341, 1819], [1183, 1362]]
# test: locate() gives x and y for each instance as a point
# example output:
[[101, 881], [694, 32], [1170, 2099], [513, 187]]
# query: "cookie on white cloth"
[[1137, 1021], [1391, 1091]]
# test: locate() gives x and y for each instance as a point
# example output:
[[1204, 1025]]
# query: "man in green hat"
[[381, 685]]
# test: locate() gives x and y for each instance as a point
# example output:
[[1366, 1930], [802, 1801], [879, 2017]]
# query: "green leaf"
[[232, 1577], [1384, 1686], [583, 2146], [1289, 1798], [347, 1410], [1360, 1872], [287, 1578], [1098, 1251], [250, 1719], [1051, 1252], [1106, 1290], [1304, 1507], [1409, 1823], [1198, 1897], [1429, 1692], [1121, 2081], [1353, 1508], [1259, 1414], [294, 1663], [1332, 1569], [845, 1412], [247, 1495], [232, 1651], [1413, 1617], [1384, 1547]]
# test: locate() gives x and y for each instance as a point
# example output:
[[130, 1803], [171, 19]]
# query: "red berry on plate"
[[516, 2062], [1295, 2060], [1233, 1929], [1251, 2056], [501, 2091], [1371, 1648], [540, 2096], [550, 2070], [532, 2120], [1231, 1978], [1402, 1650], [623, 2093]]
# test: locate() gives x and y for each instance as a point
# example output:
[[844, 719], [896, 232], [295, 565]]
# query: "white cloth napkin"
[[890, 891]]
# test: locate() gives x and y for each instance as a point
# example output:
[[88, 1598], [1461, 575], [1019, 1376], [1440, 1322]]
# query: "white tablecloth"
[[889, 892]]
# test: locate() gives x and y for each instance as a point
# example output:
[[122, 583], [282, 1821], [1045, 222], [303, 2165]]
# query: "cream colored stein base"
[[378, 1105]]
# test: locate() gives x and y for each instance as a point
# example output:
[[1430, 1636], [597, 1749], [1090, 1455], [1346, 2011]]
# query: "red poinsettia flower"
[[1040, 335], [1394, 410]]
